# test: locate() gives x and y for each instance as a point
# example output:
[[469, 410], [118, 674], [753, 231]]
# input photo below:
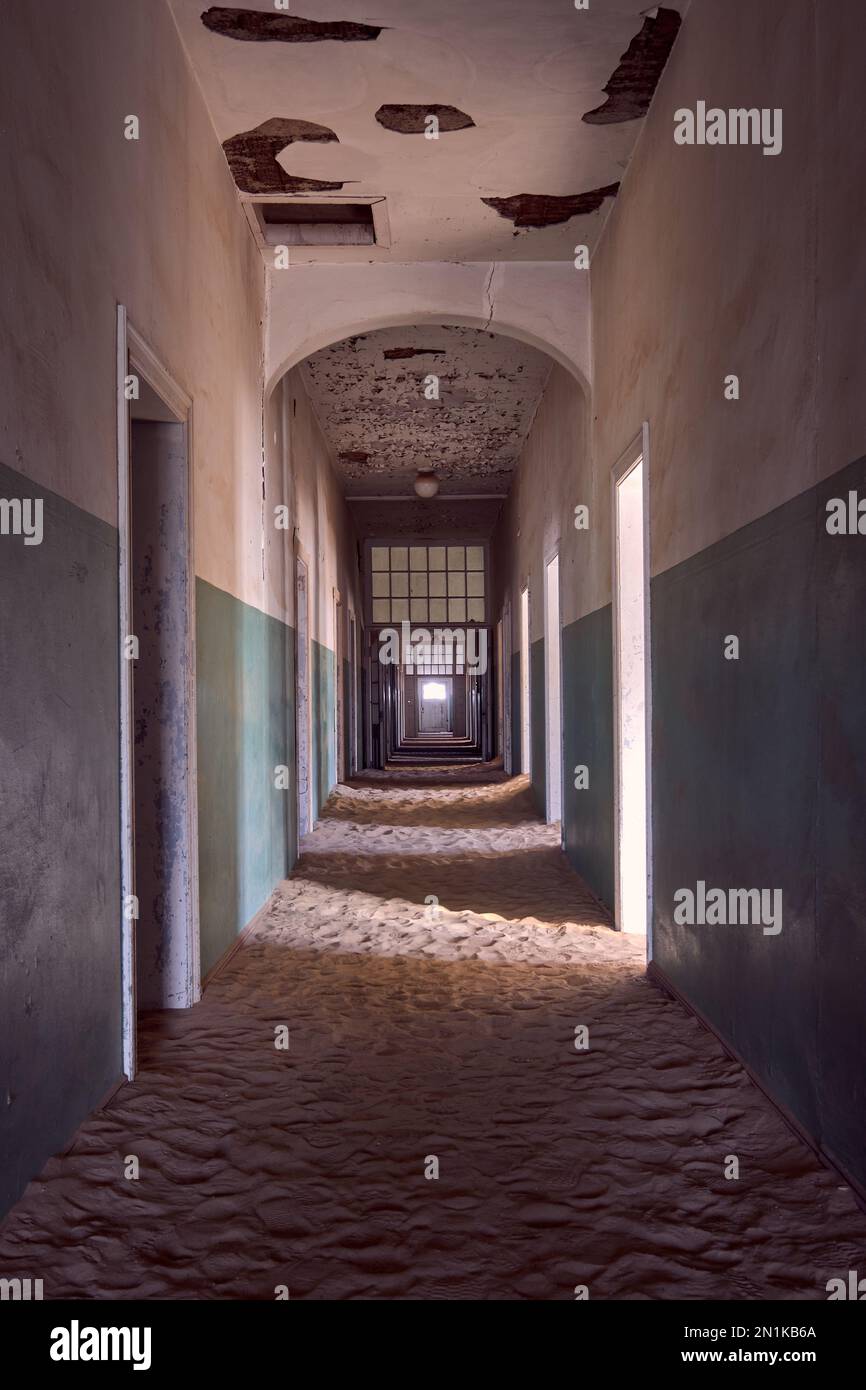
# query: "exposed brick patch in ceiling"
[[374, 408], [398, 354], [544, 210], [630, 89], [412, 120], [252, 156], [258, 26], [435, 518]]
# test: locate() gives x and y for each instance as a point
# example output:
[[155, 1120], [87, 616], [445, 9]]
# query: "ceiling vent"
[[314, 224]]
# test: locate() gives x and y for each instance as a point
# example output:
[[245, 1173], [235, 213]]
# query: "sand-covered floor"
[[420, 1031]]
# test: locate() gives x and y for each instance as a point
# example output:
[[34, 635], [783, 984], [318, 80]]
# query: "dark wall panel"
[[587, 734], [841, 831], [323, 693], [536, 724], [60, 997], [734, 757], [516, 714], [246, 722]]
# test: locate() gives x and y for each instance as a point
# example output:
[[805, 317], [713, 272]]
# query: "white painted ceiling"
[[525, 71]]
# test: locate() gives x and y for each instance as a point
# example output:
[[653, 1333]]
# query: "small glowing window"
[[433, 690]]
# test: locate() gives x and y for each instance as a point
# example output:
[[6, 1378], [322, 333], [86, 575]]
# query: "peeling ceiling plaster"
[[252, 157], [252, 26], [369, 395], [537, 210], [535, 101], [630, 89]]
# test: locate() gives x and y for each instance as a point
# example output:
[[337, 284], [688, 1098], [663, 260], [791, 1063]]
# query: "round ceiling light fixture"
[[426, 483]]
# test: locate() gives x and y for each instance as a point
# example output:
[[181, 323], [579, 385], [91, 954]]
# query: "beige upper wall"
[[553, 476], [716, 260], [89, 219], [721, 260], [301, 476]]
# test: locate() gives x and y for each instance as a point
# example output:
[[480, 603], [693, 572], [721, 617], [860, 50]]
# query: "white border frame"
[[638, 451], [525, 649], [134, 355]]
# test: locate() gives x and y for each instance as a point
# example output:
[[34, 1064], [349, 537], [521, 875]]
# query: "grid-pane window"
[[428, 584]]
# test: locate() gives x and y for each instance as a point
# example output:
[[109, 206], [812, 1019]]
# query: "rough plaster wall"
[[840, 263], [245, 708], [153, 224], [317, 508], [301, 476], [89, 219], [160, 612], [59, 864], [762, 273], [724, 286], [553, 476]]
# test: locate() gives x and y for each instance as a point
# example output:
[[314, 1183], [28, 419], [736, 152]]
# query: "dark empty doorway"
[[160, 902]]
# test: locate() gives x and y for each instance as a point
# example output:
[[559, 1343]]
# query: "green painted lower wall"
[[759, 781], [587, 737], [246, 722], [323, 693], [347, 717], [516, 715], [60, 997]]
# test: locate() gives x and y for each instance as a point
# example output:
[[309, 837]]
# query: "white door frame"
[[525, 680], [303, 699], [136, 357], [507, 646], [553, 813], [637, 452], [353, 694], [500, 695], [339, 710]]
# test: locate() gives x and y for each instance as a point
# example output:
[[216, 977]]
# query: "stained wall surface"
[[757, 762], [555, 476], [90, 219]]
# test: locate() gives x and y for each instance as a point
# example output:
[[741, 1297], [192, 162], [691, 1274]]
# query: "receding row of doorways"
[[160, 888], [631, 686]]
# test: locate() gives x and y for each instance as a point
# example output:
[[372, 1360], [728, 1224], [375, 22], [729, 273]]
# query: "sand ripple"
[[416, 1034]]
